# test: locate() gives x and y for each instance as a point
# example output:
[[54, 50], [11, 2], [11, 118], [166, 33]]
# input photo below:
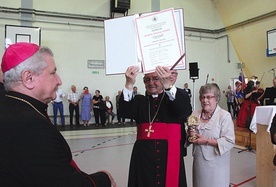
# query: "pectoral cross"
[[149, 130]]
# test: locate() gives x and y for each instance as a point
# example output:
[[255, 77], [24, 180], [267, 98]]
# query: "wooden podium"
[[260, 125]]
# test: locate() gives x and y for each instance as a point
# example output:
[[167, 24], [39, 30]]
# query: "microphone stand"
[[273, 72], [249, 146], [193, 78], [207, 78], [193, 93]]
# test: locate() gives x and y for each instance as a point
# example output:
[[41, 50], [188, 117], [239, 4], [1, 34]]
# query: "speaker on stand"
[[193, 69]]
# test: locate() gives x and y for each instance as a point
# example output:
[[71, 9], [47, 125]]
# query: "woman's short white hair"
[[210, 87]]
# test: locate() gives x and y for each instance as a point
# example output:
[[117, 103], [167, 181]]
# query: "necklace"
[[27, 102], [205, 116], [149, 130]]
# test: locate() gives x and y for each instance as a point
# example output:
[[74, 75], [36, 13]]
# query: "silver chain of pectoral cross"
[[149, 130]]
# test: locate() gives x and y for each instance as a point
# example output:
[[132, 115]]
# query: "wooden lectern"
[[260, 125]]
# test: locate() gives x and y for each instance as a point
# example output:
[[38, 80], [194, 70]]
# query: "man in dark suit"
[[270, 94], [187, 89]]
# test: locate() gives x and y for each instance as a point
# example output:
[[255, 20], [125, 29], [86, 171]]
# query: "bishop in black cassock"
[[157, 156]]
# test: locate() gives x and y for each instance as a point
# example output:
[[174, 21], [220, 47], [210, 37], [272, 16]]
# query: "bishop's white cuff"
[[171, 93], [127, 94]]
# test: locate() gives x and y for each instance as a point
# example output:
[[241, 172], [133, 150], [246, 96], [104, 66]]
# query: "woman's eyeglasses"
[[208, 97]]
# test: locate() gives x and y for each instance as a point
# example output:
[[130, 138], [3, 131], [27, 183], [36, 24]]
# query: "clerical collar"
[[154, 95]]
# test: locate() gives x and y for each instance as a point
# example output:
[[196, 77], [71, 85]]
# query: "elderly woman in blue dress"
[[213, 138], [86, 106]]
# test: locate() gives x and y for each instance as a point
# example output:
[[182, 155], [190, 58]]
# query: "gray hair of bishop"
[[35, 63], [210, 88]]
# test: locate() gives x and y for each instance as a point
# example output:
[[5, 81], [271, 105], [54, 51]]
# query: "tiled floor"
[[110, 149]]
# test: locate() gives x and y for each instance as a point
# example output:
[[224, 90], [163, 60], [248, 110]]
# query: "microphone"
[[273, 69], [207, 78]]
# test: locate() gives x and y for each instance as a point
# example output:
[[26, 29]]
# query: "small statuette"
[[192, 126]]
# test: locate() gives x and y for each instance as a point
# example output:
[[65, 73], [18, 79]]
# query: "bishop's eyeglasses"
[[148, 79]]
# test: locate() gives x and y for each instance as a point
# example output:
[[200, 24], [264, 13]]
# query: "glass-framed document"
[[123, 50], [158, 40]]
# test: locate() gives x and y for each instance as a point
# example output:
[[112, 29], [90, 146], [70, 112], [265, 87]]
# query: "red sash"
[[172, 133]]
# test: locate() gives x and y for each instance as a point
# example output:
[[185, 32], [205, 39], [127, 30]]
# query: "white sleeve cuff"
[[171, 93], [127, 94]]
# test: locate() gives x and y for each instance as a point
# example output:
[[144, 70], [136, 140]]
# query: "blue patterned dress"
[[86, 107]]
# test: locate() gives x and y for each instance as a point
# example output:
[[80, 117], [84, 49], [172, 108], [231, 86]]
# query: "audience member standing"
[[239, 97], [33, 152], [74, 99], [99, 108], [230, 95], [86, 106], [187, 89], [58, 106], [118, 108], [109, 109], [215, 138], [134, 93]]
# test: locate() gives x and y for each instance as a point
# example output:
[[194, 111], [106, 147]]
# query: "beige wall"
[[249, 40], [198, 13], [73, 44]]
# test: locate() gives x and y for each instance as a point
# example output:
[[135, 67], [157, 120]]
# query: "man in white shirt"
[[74, 99], [58, 106]]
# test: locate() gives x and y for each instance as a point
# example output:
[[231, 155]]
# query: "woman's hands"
[[195, 138], [200, 140]]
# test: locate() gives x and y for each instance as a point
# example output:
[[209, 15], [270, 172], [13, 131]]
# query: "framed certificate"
[[123, 48], [158, 40]]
